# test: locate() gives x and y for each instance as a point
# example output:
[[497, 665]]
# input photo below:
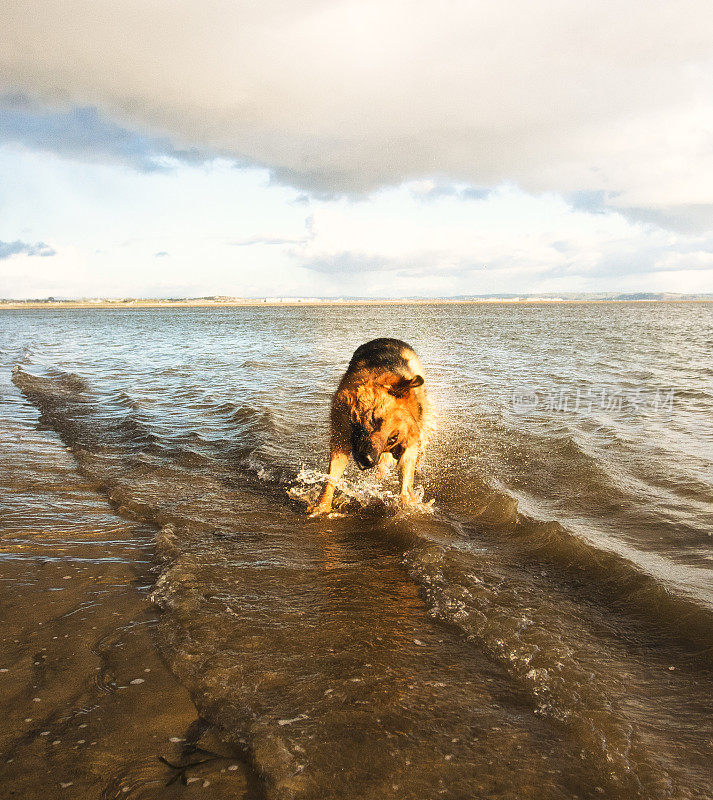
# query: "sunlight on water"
[[539, 625]]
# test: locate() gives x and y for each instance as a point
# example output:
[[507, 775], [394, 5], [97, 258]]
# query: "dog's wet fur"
[[380, 415]]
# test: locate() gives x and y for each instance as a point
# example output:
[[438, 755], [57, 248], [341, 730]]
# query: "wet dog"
[[380, 415]]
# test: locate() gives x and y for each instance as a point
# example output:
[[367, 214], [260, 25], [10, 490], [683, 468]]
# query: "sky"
[[170, 148]]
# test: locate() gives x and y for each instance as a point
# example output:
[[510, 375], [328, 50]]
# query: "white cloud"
[[110, 225], [337, 97], [509, 242]]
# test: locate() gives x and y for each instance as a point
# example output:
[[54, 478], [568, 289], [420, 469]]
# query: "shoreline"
[[268, 303], [90, 705]]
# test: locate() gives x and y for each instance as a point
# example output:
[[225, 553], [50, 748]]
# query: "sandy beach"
[[11, 305], [72, 304], [88, 704]]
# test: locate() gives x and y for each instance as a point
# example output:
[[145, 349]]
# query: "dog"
[[380, 415]]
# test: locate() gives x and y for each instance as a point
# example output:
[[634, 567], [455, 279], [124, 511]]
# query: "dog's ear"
[[403, 386]]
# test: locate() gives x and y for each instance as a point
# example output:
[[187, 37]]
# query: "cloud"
[[9, 249], [610, 99], [592, 201], [279, 239], [431, 190], [508, 242], [253, 240], [83, 132], [692, 218], [351, 263]]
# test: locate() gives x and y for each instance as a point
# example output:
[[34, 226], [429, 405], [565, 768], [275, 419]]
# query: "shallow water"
[[543, 629]]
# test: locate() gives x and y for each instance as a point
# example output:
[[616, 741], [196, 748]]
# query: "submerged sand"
[[89, 708]]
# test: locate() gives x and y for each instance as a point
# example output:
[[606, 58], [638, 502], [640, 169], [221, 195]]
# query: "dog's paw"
[[319, 511], [408, 499]]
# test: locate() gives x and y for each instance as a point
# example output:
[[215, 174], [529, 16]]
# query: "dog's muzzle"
[[365, 454], [365, 461]]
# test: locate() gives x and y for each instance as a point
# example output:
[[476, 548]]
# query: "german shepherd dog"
[[380, 415]]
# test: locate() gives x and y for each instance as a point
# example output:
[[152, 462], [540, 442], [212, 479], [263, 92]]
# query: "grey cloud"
[[475, 193], [592, 201], [441, 190], [549, 96], [349, 262], [9, 249], [693, 218], [84, 133]]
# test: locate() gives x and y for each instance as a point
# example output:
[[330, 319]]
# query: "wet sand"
[[87, 703]]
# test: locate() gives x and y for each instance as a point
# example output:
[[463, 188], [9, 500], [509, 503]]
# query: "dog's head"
[[383, 414]]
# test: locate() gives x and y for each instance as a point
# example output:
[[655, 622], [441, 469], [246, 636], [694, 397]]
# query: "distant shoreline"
[[270, 303]]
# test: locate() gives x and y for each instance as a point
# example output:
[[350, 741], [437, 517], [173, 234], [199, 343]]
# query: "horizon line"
[[227, 301]]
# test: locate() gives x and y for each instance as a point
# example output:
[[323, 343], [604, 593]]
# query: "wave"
[[126, 400], [529, 594], [87, 423], [632, 582]]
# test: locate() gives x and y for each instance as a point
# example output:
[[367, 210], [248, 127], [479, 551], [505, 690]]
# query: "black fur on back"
[[386, 354]]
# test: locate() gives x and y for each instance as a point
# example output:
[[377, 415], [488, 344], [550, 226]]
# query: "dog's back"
[[386, 355]]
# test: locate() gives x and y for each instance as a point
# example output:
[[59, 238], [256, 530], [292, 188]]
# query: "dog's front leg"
[[407, 471], [386, 461], [337, 464]]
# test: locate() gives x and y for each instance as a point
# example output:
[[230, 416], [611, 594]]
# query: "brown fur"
[[388, 412]]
